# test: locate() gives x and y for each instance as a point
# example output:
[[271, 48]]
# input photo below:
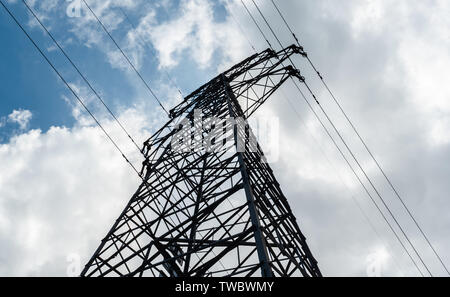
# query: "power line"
[[76, 96], [129, 62], [338, 174], [257, 25], [265, 20], [365, 144], [329, 119], [285, 22], [145, 183], [69, 87], [126, 58], [340, 177], [138, 173], [373, 186], [82, 76], [348, 148], [359, 180], [174, 84], [343, 156], [332, 167], [242, 31]]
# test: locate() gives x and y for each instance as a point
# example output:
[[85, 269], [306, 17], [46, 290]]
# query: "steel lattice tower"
[[210, 212]]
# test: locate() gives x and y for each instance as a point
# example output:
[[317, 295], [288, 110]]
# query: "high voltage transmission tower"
[[217, 209], [210, 212]]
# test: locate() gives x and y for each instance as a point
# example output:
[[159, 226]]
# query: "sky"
[[62, 183]]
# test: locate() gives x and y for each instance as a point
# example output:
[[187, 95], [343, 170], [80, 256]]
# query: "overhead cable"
[[126, 58]]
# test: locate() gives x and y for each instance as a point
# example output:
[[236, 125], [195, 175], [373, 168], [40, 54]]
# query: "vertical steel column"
[[266, 271]]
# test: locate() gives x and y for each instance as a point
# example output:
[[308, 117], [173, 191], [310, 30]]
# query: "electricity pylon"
[[216, 209]]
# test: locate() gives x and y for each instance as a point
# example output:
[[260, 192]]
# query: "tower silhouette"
[[215, 209]]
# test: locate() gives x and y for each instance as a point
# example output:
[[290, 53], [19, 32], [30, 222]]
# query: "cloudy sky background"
[[62, 184]]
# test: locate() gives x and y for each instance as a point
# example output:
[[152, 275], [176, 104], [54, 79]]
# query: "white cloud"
[[368, 17], [393, 85], [2, 122], [21, 117], [60, 190], [193, 31]]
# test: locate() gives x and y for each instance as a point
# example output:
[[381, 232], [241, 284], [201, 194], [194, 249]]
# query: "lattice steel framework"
[[210, 212]]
